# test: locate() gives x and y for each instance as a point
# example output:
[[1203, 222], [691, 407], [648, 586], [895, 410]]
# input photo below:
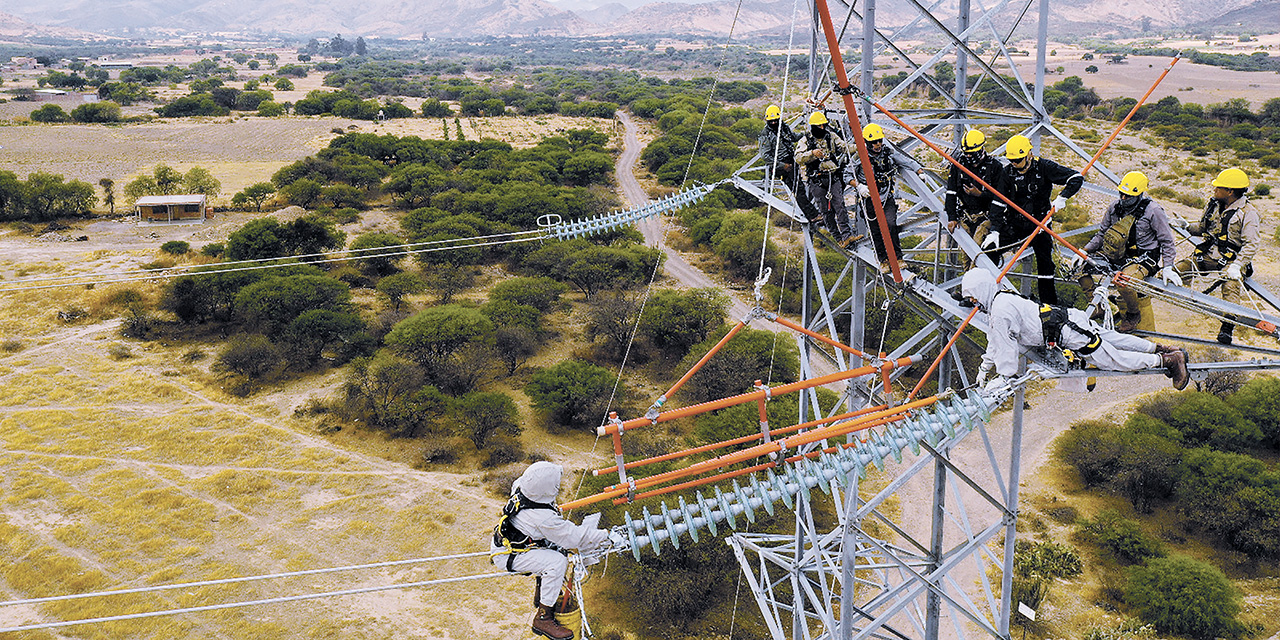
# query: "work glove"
[[1059, 203], [1170, 276], [1233, 271], [984, 373], [864, 190], [1073, 259], [991, 241], [1178, 222], [618, 540], [996, 385]]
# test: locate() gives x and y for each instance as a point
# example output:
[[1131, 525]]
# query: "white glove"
[[1073, 259], [618, 540], [1178, 222], [1170, 276], [991, 241], [996, 385], [1233, 271], [864, 190], [984, 372], [1059, 203]]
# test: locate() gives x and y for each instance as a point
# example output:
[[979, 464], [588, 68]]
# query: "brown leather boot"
[[1175, 365], [1130, 323], [1164, 348], [544, 624]]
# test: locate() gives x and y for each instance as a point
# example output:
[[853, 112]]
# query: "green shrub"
[[176, 247], [252, 356], [573, 393], [503, 449], [51, 113], [1035, 567], [213, 250], [1092, 447], [1123, 537], [1263, 189], [1259, 401], [1182, 595], [1204, 418], [751, 355]]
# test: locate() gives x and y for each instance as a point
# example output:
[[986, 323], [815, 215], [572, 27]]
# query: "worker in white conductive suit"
[[1015, 323], [533, 537]]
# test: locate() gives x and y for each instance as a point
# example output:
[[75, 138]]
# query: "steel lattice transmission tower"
[[945, 569]]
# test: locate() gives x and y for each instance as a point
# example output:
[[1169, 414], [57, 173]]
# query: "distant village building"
[[179, 208]]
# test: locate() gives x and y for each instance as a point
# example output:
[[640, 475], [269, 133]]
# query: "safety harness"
[[835, 161], [1227, 249], [1052, 320], [512, 540]]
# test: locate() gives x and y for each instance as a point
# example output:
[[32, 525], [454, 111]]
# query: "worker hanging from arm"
[[533, 537], [1017, 323], [968, 202], [1133, 238], [885, 164], [1028, 181], [821, 154], [1231, 228], [777, 150]]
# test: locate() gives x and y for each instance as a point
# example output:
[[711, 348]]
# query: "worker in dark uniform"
[[968, 202], [821, 154], [1133, 238], [1028, 181], [885, 164], [777, 151]]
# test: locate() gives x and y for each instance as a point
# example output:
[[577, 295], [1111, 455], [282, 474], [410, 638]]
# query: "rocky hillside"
[[453, 18]]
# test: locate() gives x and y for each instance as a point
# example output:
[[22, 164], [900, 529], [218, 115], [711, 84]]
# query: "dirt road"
[[654, 229]]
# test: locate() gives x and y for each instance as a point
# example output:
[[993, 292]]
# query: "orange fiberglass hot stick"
[[798, 440], [842, 81], [736, 441], [752, 396], [1039, 225], [618, 493]]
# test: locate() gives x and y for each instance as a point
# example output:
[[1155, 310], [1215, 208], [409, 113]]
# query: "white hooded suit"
[[1015, 324], [541, 483]]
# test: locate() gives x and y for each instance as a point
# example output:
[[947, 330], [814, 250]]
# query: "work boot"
[[544, 624], [1130, 323], [1164, 348], [847, 240], [1224, 334], [1175, 366]]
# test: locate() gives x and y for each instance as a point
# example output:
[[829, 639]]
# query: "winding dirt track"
[[654, 229]]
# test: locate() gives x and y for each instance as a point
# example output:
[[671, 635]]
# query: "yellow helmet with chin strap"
[[1133, 183], [873, 132], [973, 141], [1017, 148], [817, 118], [1232, 178], [772, 112]]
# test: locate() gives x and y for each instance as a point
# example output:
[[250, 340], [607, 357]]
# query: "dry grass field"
[[133, 471]]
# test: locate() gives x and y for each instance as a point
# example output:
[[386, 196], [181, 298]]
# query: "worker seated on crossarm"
[[532, 537], [1018, 323]]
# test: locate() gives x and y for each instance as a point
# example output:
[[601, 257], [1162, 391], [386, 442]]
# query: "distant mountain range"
[[462, 18]]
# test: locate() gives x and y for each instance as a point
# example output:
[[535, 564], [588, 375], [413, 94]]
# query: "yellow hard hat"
[[1017, 148], [872, 132], [1134, 183], [772, 112], [973, 141], [1232, 179], [817, 118]]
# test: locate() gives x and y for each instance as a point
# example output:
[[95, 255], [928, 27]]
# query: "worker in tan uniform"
[[1230, 230]]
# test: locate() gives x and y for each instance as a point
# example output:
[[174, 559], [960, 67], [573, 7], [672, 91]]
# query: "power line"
[[249, 603], [87, 280], [268, 576], [351, 254]]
